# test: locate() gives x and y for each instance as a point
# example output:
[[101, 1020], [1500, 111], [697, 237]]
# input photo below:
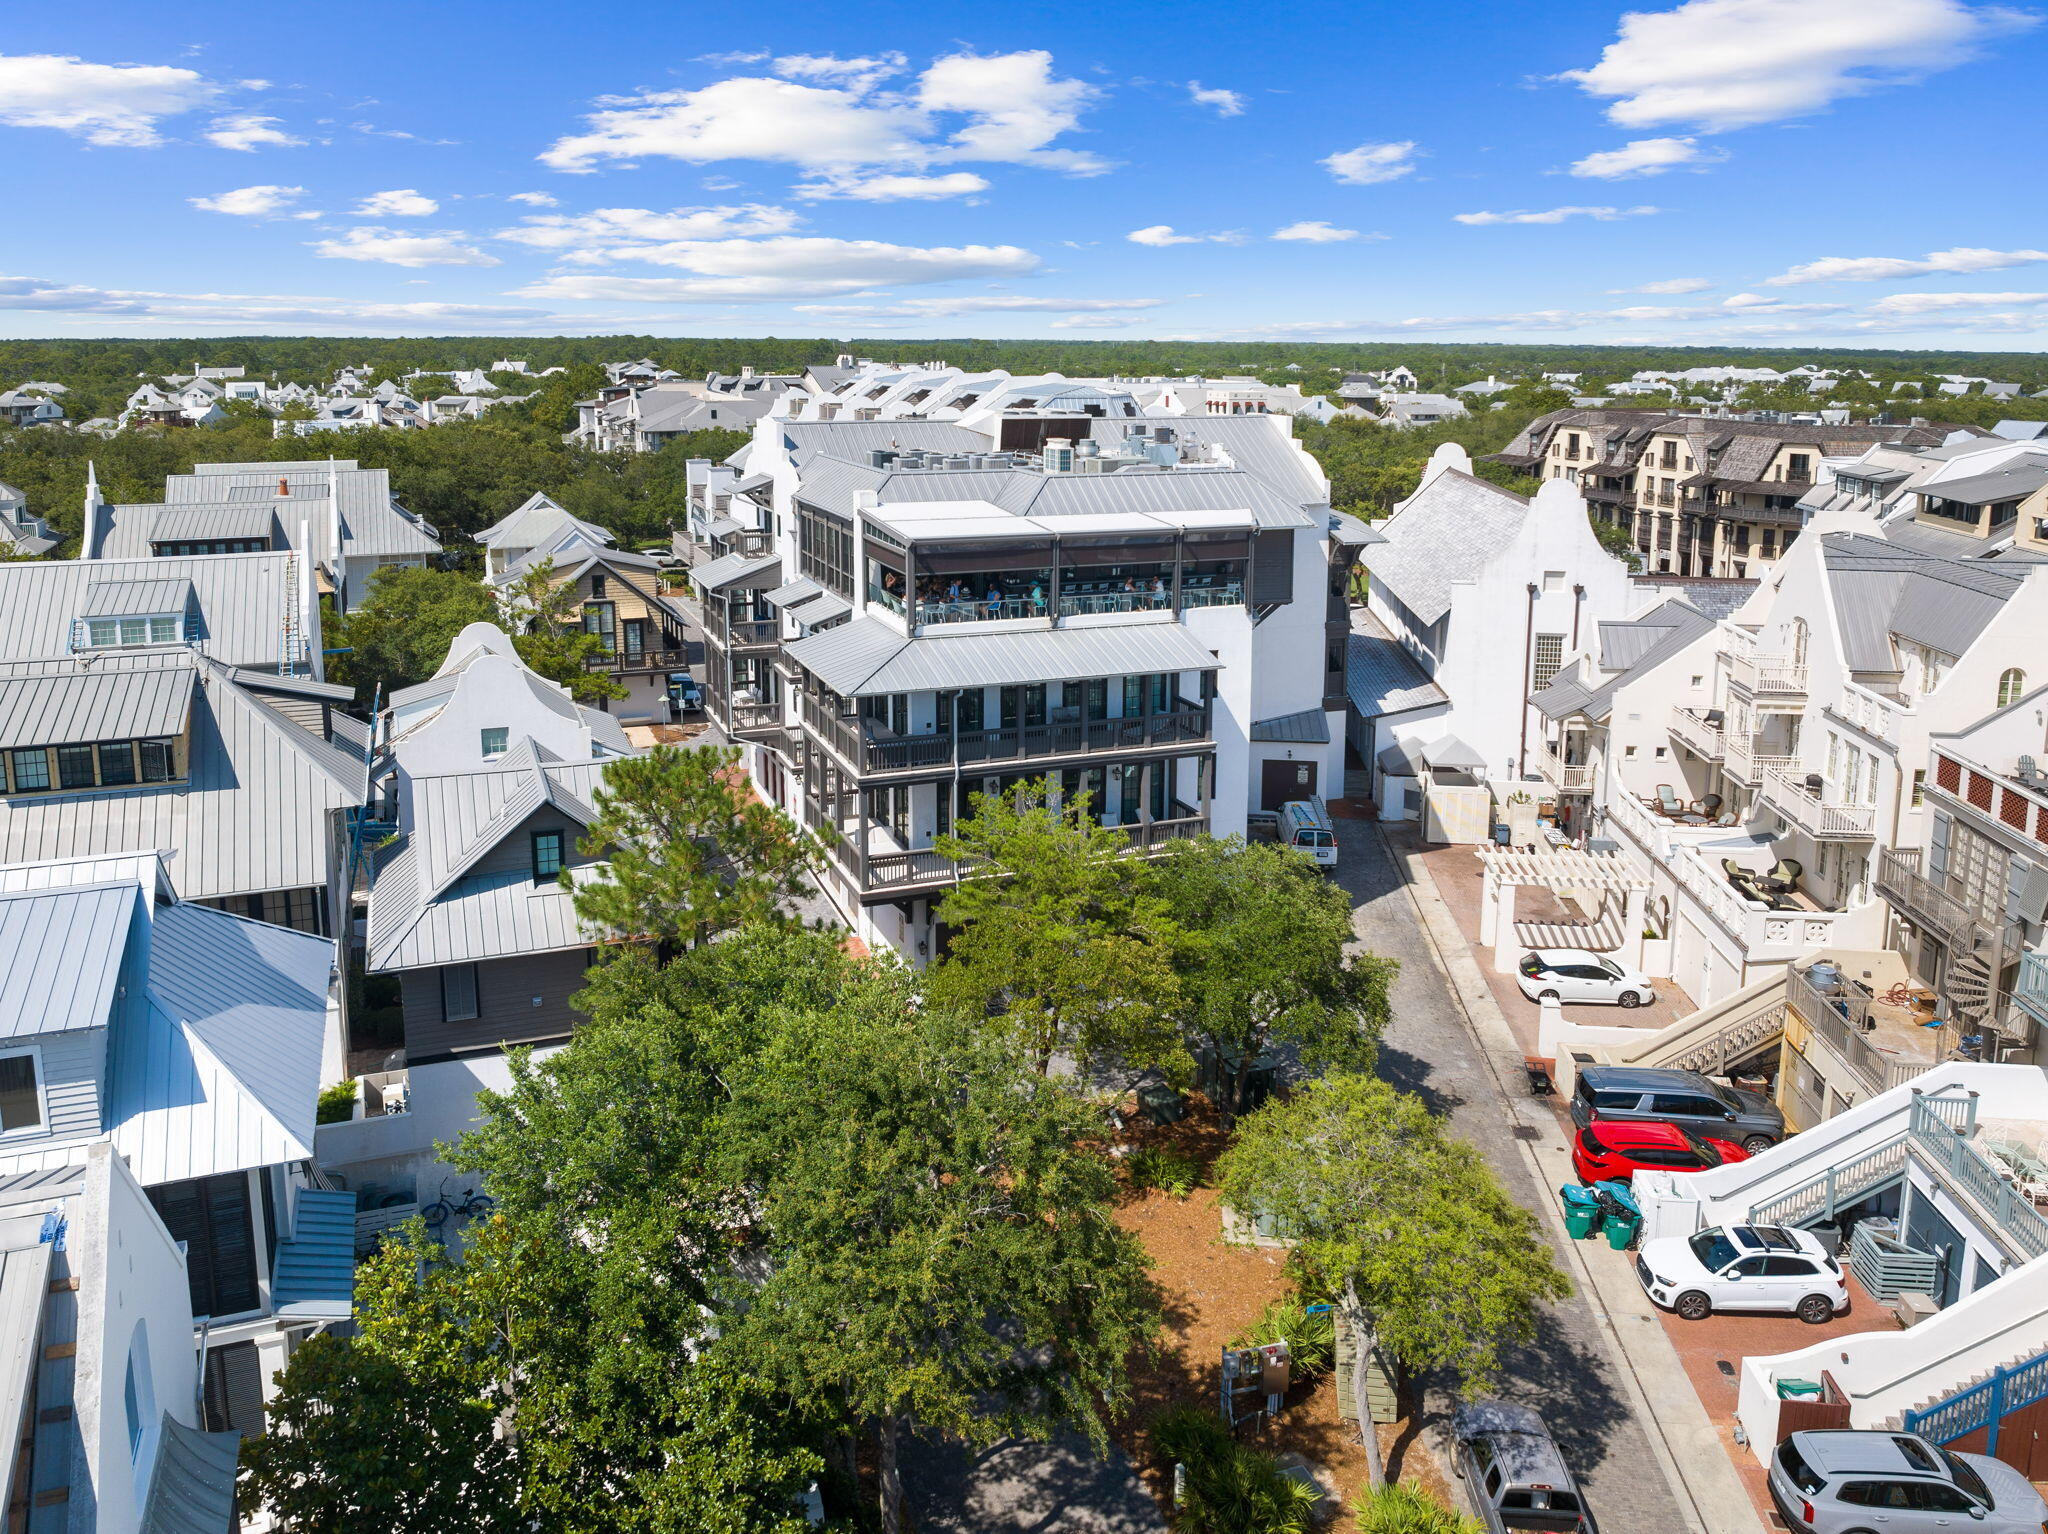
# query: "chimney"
[[284, 486]]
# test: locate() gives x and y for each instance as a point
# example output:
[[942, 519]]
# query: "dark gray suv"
[[1624, 1093]]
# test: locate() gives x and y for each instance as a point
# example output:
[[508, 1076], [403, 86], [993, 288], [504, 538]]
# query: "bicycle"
[[472, 1204]]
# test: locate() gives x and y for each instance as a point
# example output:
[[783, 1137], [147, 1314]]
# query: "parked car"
[[1649, 1094], [1616, 1152], [1743, 1267], [1849, 1481], [1580, 975], [1514, 1471], [684, 692]]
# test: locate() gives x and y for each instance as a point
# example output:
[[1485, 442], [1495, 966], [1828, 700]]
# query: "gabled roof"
[[1310, 726], [253, 815], [60, 956], [372, 525], [241, 600], [1880, 588], [534, 521], [2014, 482], [1450, 530], [133, 597], [416, 922]]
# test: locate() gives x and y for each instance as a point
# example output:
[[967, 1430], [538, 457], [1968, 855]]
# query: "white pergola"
[[1559, 870]]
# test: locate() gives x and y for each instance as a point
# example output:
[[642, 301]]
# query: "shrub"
[[1230, 1488], [1176, 1172], [1404, 1510], [1311, 1339], [337, 1104]]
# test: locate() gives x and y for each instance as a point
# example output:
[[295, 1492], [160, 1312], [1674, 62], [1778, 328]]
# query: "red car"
[[1605, 1152]]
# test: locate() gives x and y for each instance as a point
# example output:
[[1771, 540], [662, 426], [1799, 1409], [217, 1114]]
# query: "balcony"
[[1764, 935], [1880, 1045], [1799, 800], [1567, 777], [873, 754], [1697, 733], [1765, 676], [638, 660], [2030, 992], [1874, 714], [888, 871], [1746, 764], [739, 634], [1919, 899]]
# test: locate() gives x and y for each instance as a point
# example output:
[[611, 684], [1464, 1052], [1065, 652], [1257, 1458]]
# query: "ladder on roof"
[[291, 638]]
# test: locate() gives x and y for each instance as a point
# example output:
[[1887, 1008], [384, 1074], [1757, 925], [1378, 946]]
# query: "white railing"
[[1696, 733], [1762, 934], [1872, 713], [1771, 674], [1807, 810], [1743, 761], [1567, 777]]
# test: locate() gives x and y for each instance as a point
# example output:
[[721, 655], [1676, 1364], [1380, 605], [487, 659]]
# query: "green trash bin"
[[1621, 1230], [1581, 1211]]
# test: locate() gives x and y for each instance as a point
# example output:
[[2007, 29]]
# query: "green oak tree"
[[400, 631], [1433, 1261], [1260, 942], [1054, 936]]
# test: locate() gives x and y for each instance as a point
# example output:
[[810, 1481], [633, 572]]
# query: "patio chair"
[[1744, 881], [1784, 875], [2028, 1172], [1707, 806], [1726, 818], [1669, 802]]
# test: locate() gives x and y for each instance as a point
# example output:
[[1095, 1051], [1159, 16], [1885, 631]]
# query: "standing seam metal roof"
[[60, 956], [241, 600], [60, 702], [868, 657]]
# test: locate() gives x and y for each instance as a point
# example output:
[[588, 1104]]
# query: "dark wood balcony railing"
[[923, 868], [1187, 724], [639, 660]]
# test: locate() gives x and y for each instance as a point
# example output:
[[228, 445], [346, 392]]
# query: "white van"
[[1305, 826]]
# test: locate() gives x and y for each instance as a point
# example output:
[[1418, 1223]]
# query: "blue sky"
[[1764, 171]]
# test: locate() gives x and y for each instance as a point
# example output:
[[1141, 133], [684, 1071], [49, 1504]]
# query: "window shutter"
[[1937, 846], [1273, 568]]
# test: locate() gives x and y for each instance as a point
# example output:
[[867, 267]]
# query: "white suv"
[[1743, 1267], [1577, 974]]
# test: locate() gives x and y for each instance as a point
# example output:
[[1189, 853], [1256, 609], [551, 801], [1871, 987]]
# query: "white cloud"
[[789, 266], [1090, 322], [1888, 268], [1315, 232], [399, 247], [1721, 64], [1370, 164], [1553, 215], [269, 311], [1669, 285], [888, 187], [615, 232], [1941, 303], [534, 199], [117, 105], [1013, 106], [251, 201], [1165, 234], [943, 308], [250, 132], [403, 202], [1645, 157], [856, 74], [1226, 103]]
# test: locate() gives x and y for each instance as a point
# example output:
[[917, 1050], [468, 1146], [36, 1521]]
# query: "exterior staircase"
[[1715, 1037], [1981, 1401]]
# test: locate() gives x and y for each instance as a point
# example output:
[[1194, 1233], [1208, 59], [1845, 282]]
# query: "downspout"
[[1528, 654]]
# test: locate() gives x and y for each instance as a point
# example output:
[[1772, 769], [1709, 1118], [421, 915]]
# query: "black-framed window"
[[74, 767], [21, 1098], [824, 550], [31, 770], [458, 993], [103, 764], [547, 855], [116, 763]]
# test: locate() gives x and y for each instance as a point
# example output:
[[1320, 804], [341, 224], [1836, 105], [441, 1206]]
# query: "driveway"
[[1055, 1488], [1570, 1371]]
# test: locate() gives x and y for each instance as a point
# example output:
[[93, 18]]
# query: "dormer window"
[[547, 855], [21, 1093], [155, 628], [103, 764]]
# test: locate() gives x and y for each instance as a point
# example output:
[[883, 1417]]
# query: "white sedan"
[[1743, 1267], [1577, 975]]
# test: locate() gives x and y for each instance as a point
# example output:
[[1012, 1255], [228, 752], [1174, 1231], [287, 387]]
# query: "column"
[[1633, 905], [1507, 949]]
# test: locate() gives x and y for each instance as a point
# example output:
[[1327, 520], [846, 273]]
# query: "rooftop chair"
[[1744, 881], [1784, 875], [1707, 806], [1668, 802]]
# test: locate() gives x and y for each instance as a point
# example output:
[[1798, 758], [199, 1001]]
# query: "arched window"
[[2011, 684], [1799, 633]]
